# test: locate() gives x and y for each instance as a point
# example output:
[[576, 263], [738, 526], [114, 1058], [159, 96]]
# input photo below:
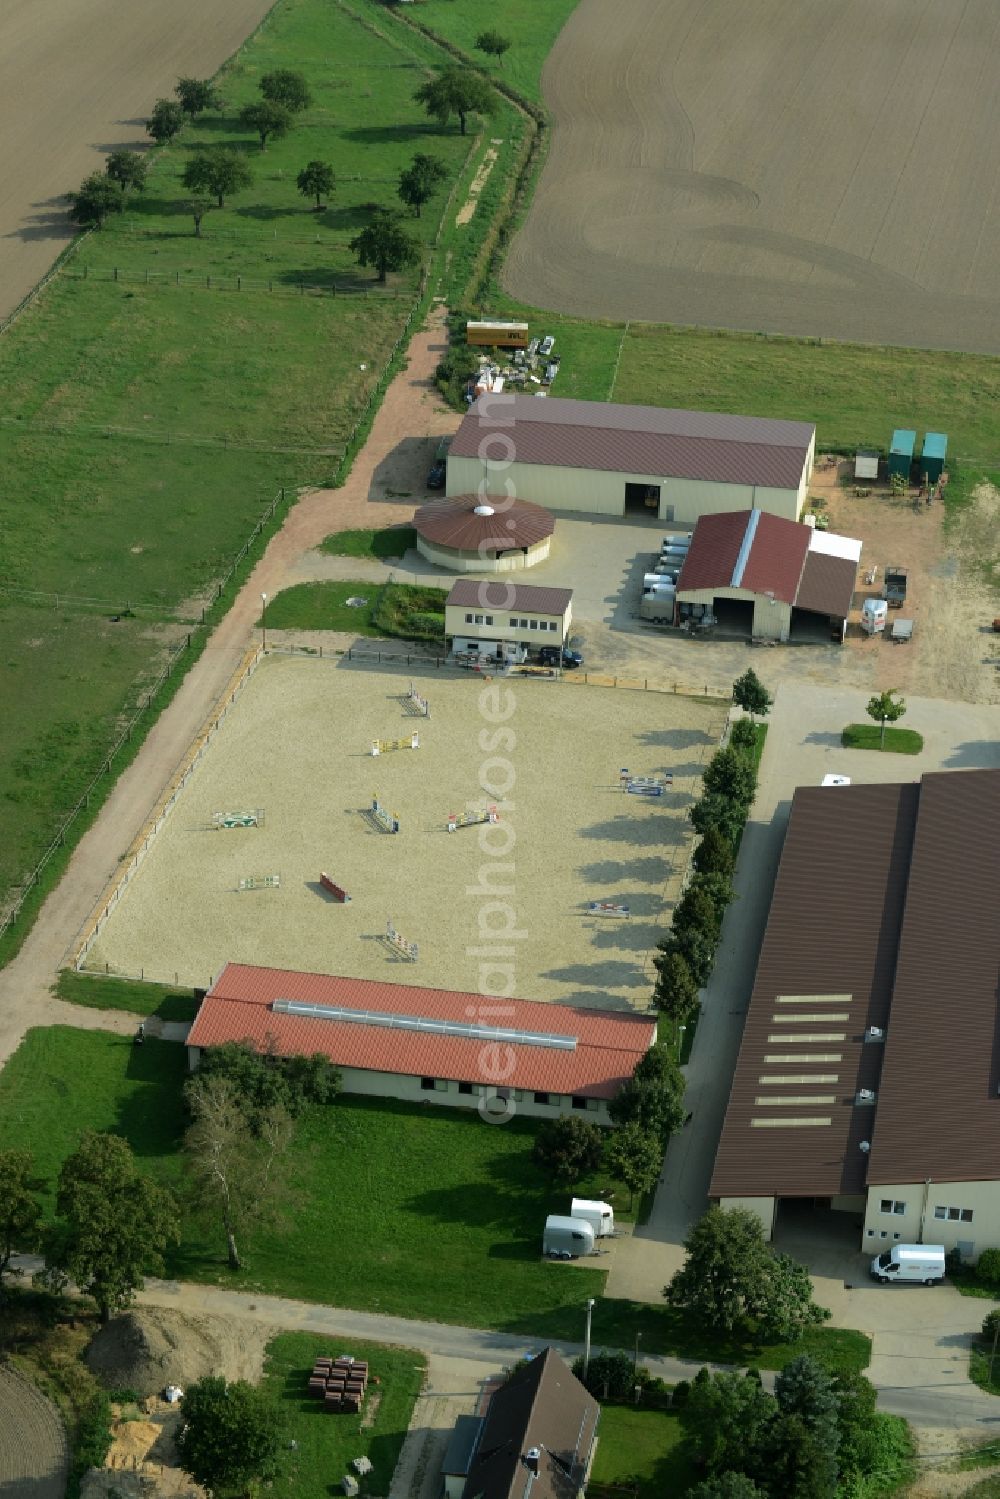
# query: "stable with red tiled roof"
[[403, 1041], [608, 459]]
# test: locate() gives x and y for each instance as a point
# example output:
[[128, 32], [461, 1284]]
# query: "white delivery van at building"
[[600, 1215], [910, 1262], [567, 1238]]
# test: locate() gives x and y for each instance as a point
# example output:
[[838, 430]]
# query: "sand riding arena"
[[283, 794]]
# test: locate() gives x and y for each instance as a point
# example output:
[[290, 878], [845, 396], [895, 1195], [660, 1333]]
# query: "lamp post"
[[638, 1340], [586, 1341], [263, 621], [680, 1042]]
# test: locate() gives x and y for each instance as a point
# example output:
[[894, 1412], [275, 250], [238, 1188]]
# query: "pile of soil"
[[150, 1347]]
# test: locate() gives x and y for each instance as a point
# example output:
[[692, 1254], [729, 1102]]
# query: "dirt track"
[[77, 80], [799, 166], [32, 1442]]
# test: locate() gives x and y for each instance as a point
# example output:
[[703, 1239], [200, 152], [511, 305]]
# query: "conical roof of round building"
[[471, 522]]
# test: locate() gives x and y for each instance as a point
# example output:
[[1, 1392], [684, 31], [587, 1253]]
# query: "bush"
[[93, 1440], [610, 1376], [426, 626], [743, 736], [988, 1267], [681, 1391], [263, 1081], [569, 1147], [990, 1324]]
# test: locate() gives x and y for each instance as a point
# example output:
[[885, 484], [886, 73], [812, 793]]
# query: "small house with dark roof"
[[537, 1438], [471, 533], [607, 459], [760, 576]]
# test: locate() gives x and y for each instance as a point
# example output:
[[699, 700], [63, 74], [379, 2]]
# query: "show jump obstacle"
[[399, 944], [334, 889], [458, 820], [387, 821], [607, 908], [416, 705], [644, 785], [238, 819], [261, 882], [385, 746]]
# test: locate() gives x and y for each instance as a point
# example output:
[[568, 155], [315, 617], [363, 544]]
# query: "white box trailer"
[[567, 1238], [923, 1263], [600, 1215]]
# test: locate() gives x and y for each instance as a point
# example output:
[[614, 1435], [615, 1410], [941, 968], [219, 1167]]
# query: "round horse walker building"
[[469, 533]]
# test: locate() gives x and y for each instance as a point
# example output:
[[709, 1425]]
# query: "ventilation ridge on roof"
[[744, 552], [425, 1024]]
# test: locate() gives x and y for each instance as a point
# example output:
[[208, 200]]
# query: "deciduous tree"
[[493, 44], [676, 990], [198, 208], [269, 119], [231, 1434], [316, 180], [20, 1209], [418, 182], [569, 1147], [195, 95], [730, 773], [635, 1156], [234, 1172], [219, 171], [743, 736], [727, 1419], [166, 120], [750, 694], [94, 200], [456, 91], [727, 1486], [885, 708], [128, 169], [385, 244], [653, 1097], [713, 810], [714, 853], [113, 1224], [731, 1279], [286, 87]]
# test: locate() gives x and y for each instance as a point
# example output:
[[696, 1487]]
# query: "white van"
[[910, 1262], [600, 1215]]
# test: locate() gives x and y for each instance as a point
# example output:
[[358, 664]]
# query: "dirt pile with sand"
[[150, 1347]]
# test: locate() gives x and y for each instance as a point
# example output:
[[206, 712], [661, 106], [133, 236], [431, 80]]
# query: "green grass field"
[[158, 418], [398, 609], [95, 992], [445, 1210], [868, 736], [390, 543], [530, 27], [326, 1445], [641, 1450]]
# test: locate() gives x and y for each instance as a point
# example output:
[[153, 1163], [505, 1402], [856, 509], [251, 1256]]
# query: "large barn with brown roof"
[[501, 1056], [606, 459], [869, 1071]]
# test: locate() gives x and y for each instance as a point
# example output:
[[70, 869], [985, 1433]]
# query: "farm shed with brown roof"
[[607, 459], [768, 578], [438, 1045], [869, 1071], [470, 533]]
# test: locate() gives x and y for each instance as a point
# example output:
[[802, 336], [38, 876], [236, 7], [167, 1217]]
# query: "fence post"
[[116, 273]]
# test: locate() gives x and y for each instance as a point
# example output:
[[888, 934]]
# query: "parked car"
[[437, 476], [553, 655], [546, 346]]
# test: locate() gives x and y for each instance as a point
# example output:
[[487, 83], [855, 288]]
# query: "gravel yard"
[[297, 746]]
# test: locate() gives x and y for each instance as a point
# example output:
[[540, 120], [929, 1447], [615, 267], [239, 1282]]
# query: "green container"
[[932, 456], [901, 452]]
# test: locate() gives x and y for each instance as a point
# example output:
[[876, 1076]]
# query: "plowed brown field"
[[823, 167], [77, 80]]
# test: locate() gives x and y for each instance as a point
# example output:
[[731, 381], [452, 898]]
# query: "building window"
[[468, 619], [542, 1098], [489, 619], [882, 1233], [533, 624], [465, 1088], [871, 1233], [887, 1205], [897, 1236], [954, 1215], [579, 1103], [427, 1084]]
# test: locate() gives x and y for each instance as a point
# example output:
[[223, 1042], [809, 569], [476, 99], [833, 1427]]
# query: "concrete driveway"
[[920, 1340]]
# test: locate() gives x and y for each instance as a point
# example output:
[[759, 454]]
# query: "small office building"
[[490, 617]]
